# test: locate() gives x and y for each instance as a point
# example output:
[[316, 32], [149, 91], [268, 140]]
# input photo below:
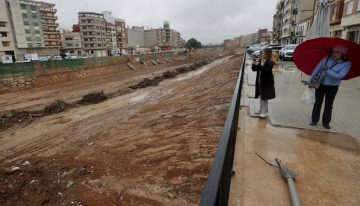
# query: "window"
[[37, 31], [349, 7], [38, 38], [36, 24], [6, 43], [38, 44], [30, 45], [26, 23], [353, 36], [2, 24], [33, 8], [338, 33], [24, 15], [28, 39], [3, 34], [27, 31], [23, 6]]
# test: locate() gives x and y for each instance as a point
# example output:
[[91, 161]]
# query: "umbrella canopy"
[[321, 24], [308, 54]]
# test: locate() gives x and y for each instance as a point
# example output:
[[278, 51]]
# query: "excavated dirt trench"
[[152, 146]]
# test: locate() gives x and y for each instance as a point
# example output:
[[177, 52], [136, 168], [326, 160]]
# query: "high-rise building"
[[33, 27], [121, 35], [49, 25], [112, 46], [93, 33], [7, 43], [278, 22]]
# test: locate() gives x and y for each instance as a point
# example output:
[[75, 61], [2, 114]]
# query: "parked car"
[[42, 59], [257, 51], [252, 48], [22, 61], [274, 47], [56, 58], [287, 51]]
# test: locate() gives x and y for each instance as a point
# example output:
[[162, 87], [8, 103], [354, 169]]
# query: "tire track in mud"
[[151, 146], [22, 117]]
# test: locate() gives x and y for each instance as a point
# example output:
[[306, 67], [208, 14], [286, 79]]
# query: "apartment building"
[[121, 35], [33, 27], [278, 22], [93, 33], [351, 21], [303, 13], [71, 43], [49, 25], [154, 39], [288, 23], [112, 46], [7, 43]]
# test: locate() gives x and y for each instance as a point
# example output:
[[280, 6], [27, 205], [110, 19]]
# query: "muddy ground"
[[147, 146]]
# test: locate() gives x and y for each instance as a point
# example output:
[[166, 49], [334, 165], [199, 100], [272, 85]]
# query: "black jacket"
[[265, 88]]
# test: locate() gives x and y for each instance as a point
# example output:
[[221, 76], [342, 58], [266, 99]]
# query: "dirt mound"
[[56, 107], [148, 82], [170, 74], [154, 81], [16, 117], [93, 98]]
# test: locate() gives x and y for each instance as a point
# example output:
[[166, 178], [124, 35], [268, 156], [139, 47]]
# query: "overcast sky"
[[209, 21]]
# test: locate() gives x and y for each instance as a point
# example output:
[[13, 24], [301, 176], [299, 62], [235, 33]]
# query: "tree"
[[193, 43]]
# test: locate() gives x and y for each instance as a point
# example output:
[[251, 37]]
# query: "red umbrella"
[[308, 54]]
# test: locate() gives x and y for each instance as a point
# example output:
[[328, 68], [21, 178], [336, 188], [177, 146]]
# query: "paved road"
[[288, 110]]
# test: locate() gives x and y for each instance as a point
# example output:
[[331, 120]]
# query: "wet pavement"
[[288, 110], [326, 163]]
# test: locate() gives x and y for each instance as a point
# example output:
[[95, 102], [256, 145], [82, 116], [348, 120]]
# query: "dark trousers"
[[329, 92]]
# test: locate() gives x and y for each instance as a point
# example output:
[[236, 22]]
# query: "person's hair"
[[268, 52]]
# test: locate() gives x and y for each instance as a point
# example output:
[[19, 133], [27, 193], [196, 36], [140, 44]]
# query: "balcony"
[[51, 32], [46, 25], [44, 9]]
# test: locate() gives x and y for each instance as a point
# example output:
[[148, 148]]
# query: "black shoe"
[[313, 123], [326, 126]]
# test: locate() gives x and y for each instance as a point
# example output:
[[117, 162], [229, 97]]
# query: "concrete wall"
[[39, 68], [136, 37], [150, 38], [20, 76]]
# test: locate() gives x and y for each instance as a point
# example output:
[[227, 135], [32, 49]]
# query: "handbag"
[[316, 80]]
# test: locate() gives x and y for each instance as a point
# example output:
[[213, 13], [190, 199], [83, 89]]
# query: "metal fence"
[[217, 187]]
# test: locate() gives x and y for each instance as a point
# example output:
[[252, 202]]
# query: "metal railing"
[[217, 187]]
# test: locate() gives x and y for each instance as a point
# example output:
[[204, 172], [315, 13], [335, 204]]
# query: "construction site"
[[143, 133]]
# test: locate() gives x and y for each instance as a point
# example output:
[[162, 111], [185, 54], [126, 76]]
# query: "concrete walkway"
[[327, 163], [288, 110]]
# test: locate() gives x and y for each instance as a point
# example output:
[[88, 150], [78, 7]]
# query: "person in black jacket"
[[265, 88]]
